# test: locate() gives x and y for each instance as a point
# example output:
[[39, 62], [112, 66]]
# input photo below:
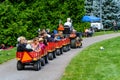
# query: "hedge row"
[[25, 17]]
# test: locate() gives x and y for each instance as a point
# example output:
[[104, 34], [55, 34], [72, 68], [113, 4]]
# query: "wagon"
[[35, 59]]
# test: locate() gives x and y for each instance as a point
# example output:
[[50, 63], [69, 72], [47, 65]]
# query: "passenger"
[[49, 36], [44, 36], [55, 31], [60, 33], [48, 31], [57, 37], [35, 45], [2, 46], [29, 44], [52, 34], [41, 43], [88, 33], [43, 31], [22, 45]]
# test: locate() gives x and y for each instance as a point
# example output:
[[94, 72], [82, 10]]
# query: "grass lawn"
[[95, 64], [103, 32], [6, 55]]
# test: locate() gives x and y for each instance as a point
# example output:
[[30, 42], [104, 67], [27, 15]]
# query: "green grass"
[[95, 64], [6, 55], [103, 33]]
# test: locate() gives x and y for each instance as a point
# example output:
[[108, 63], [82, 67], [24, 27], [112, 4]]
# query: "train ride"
[[49, 52]]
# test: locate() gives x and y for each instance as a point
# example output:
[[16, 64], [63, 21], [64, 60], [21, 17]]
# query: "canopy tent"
[[90, 19]]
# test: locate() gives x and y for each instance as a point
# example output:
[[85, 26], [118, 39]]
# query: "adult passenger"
[[22, 45]]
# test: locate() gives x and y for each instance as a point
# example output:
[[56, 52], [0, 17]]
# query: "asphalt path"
[[52, 71]]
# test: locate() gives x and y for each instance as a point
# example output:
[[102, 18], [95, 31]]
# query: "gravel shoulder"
[[51, 71]]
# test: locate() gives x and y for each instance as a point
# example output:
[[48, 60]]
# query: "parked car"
[[97, 26]]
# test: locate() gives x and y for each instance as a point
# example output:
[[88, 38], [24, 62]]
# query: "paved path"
[[51, 71]]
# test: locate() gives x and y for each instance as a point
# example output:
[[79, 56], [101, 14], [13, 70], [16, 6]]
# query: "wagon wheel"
[[46, 58], [54, 54], [50, 56], [61, 50], [20, 65], [37, 65], [58, 52], [42, 62], [73, 43], [64, 48], [68, 47]]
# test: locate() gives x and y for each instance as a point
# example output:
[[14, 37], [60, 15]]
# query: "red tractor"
[[75, 37], [75, 41]]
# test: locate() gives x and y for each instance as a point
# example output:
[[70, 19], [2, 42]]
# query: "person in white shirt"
[[29, 44], [69, 24]]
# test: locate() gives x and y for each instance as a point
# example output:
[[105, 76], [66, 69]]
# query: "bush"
[[25, 17]]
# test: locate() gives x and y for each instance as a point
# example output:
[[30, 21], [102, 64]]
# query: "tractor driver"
[[69, 24]]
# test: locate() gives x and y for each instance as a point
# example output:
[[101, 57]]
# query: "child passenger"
[[41, 43], [29, 44], [35, 45]]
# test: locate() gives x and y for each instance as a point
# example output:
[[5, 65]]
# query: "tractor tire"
[[73, 43], [50, 56], [20, 65], [80, 45], [37, 65]]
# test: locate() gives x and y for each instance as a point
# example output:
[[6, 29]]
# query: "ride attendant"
[[22, 42]]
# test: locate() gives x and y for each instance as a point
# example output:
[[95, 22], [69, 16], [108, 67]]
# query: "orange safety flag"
[[26, 57], [61, 27]]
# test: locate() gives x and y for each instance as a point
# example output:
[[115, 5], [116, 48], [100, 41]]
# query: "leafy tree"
[[25, 17]]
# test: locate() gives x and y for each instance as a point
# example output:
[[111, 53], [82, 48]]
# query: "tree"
[[110, 11], [25, 17], [89, 7]]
